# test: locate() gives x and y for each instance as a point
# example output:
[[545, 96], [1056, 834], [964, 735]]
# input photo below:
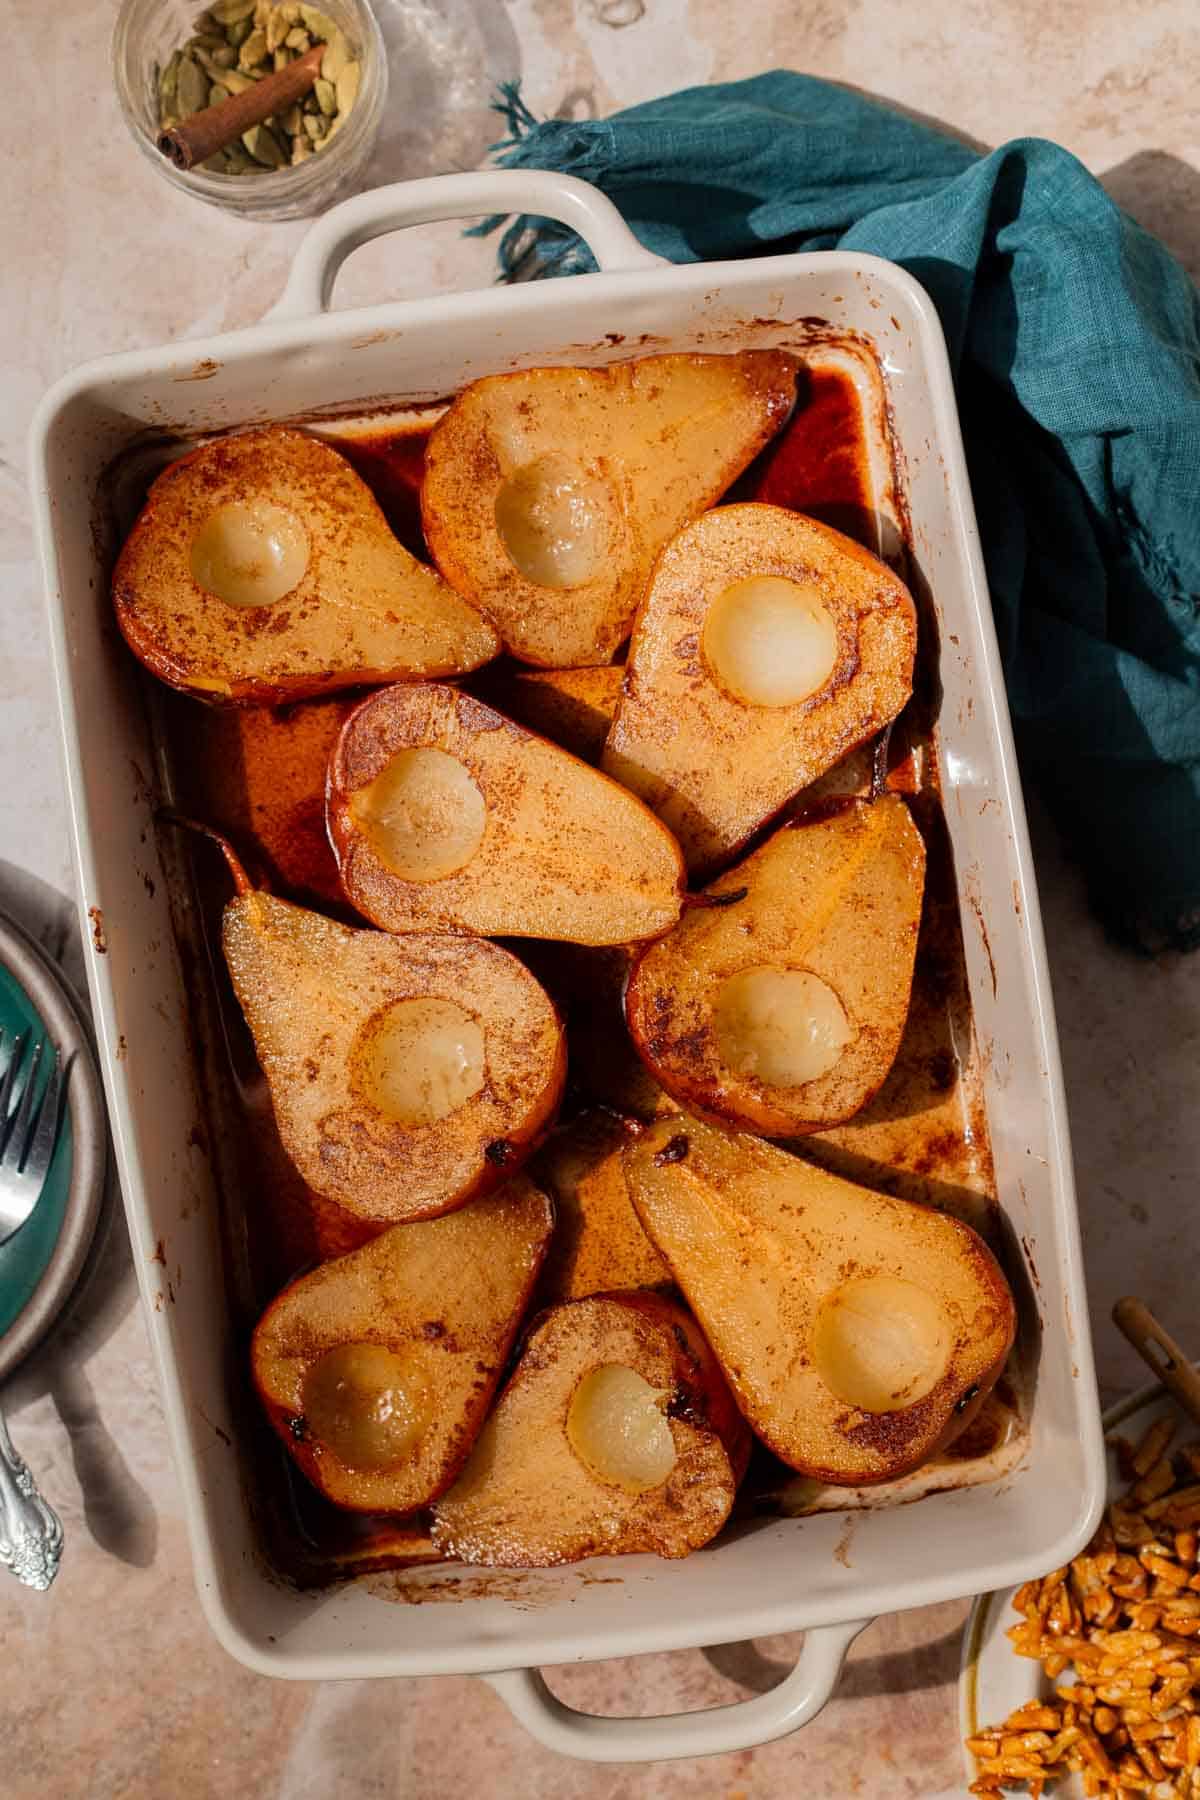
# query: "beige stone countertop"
[[112, 1686]]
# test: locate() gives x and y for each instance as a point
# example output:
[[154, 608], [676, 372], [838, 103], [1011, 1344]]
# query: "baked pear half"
[[599, 1243], [407, 1074], [779, 1007], [445, 815], [261, 570], [616, 1433], [377, 1369], [767, 647], [549, 492], [859, 1333]]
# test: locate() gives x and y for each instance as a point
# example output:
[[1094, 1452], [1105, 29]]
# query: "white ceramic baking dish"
[[781, 1574]]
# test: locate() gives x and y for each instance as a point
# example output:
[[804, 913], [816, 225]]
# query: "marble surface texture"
[[113, 1688]]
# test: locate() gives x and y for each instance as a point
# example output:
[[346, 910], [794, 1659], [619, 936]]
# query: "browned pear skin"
[[836, 896], [527, 1500], [574, 708], [560, 851], [714, 766], [316, 994], [769, 1249], [599, 1242], [446, 1297], [258, 774], [362, 610], [371, 1545], [639, 447]]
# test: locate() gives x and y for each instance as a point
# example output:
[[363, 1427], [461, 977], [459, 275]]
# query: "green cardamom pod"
[[231, 12], [254, 49], [168, 81], [317, 23], [204, 58], [347, 87], [235, 81], [263, 147], [237, 33], [337, 55], [326, 95], [217, 93], [192, 88]]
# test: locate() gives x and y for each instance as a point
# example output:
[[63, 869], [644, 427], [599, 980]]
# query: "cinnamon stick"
[[194, 140]]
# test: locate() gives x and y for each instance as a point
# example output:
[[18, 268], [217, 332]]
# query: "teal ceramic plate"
[[24, 1257], [41, 1263]]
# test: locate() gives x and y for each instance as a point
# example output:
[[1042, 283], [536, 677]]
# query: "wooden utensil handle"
[[1159, 1351]]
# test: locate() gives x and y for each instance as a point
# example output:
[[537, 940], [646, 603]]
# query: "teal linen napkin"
[[1075, 342]]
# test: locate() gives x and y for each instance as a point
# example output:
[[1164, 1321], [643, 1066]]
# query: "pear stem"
[[879, 761], [241, 881], [706, 900]]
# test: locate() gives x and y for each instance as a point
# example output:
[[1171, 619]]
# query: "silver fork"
[[28, 1128], [31, 1533]]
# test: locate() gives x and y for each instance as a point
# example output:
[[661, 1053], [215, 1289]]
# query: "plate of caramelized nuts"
[[1094, 1669]]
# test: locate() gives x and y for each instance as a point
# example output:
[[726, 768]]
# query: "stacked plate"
[[40, 1265]]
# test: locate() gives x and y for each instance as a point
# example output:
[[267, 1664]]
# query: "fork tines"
[[29, 1131], [12, 1048]]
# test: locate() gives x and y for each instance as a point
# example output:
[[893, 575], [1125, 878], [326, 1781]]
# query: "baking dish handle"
[[741, 1725], [476, 195]]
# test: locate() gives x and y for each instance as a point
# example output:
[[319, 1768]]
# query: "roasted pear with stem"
[[859, 1333], [261, 569], [445, 815], [599, 1242], [407, 1074], [615, 1433], [780, 1006], [549, 492], [377, 1369], [767, 647]]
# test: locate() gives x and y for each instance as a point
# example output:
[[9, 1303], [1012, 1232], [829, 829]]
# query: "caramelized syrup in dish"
[[258, 774]]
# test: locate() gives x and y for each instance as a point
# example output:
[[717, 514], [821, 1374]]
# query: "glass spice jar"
[[146, 34]]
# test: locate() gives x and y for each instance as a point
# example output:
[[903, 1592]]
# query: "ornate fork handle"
[[31, 1533]]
